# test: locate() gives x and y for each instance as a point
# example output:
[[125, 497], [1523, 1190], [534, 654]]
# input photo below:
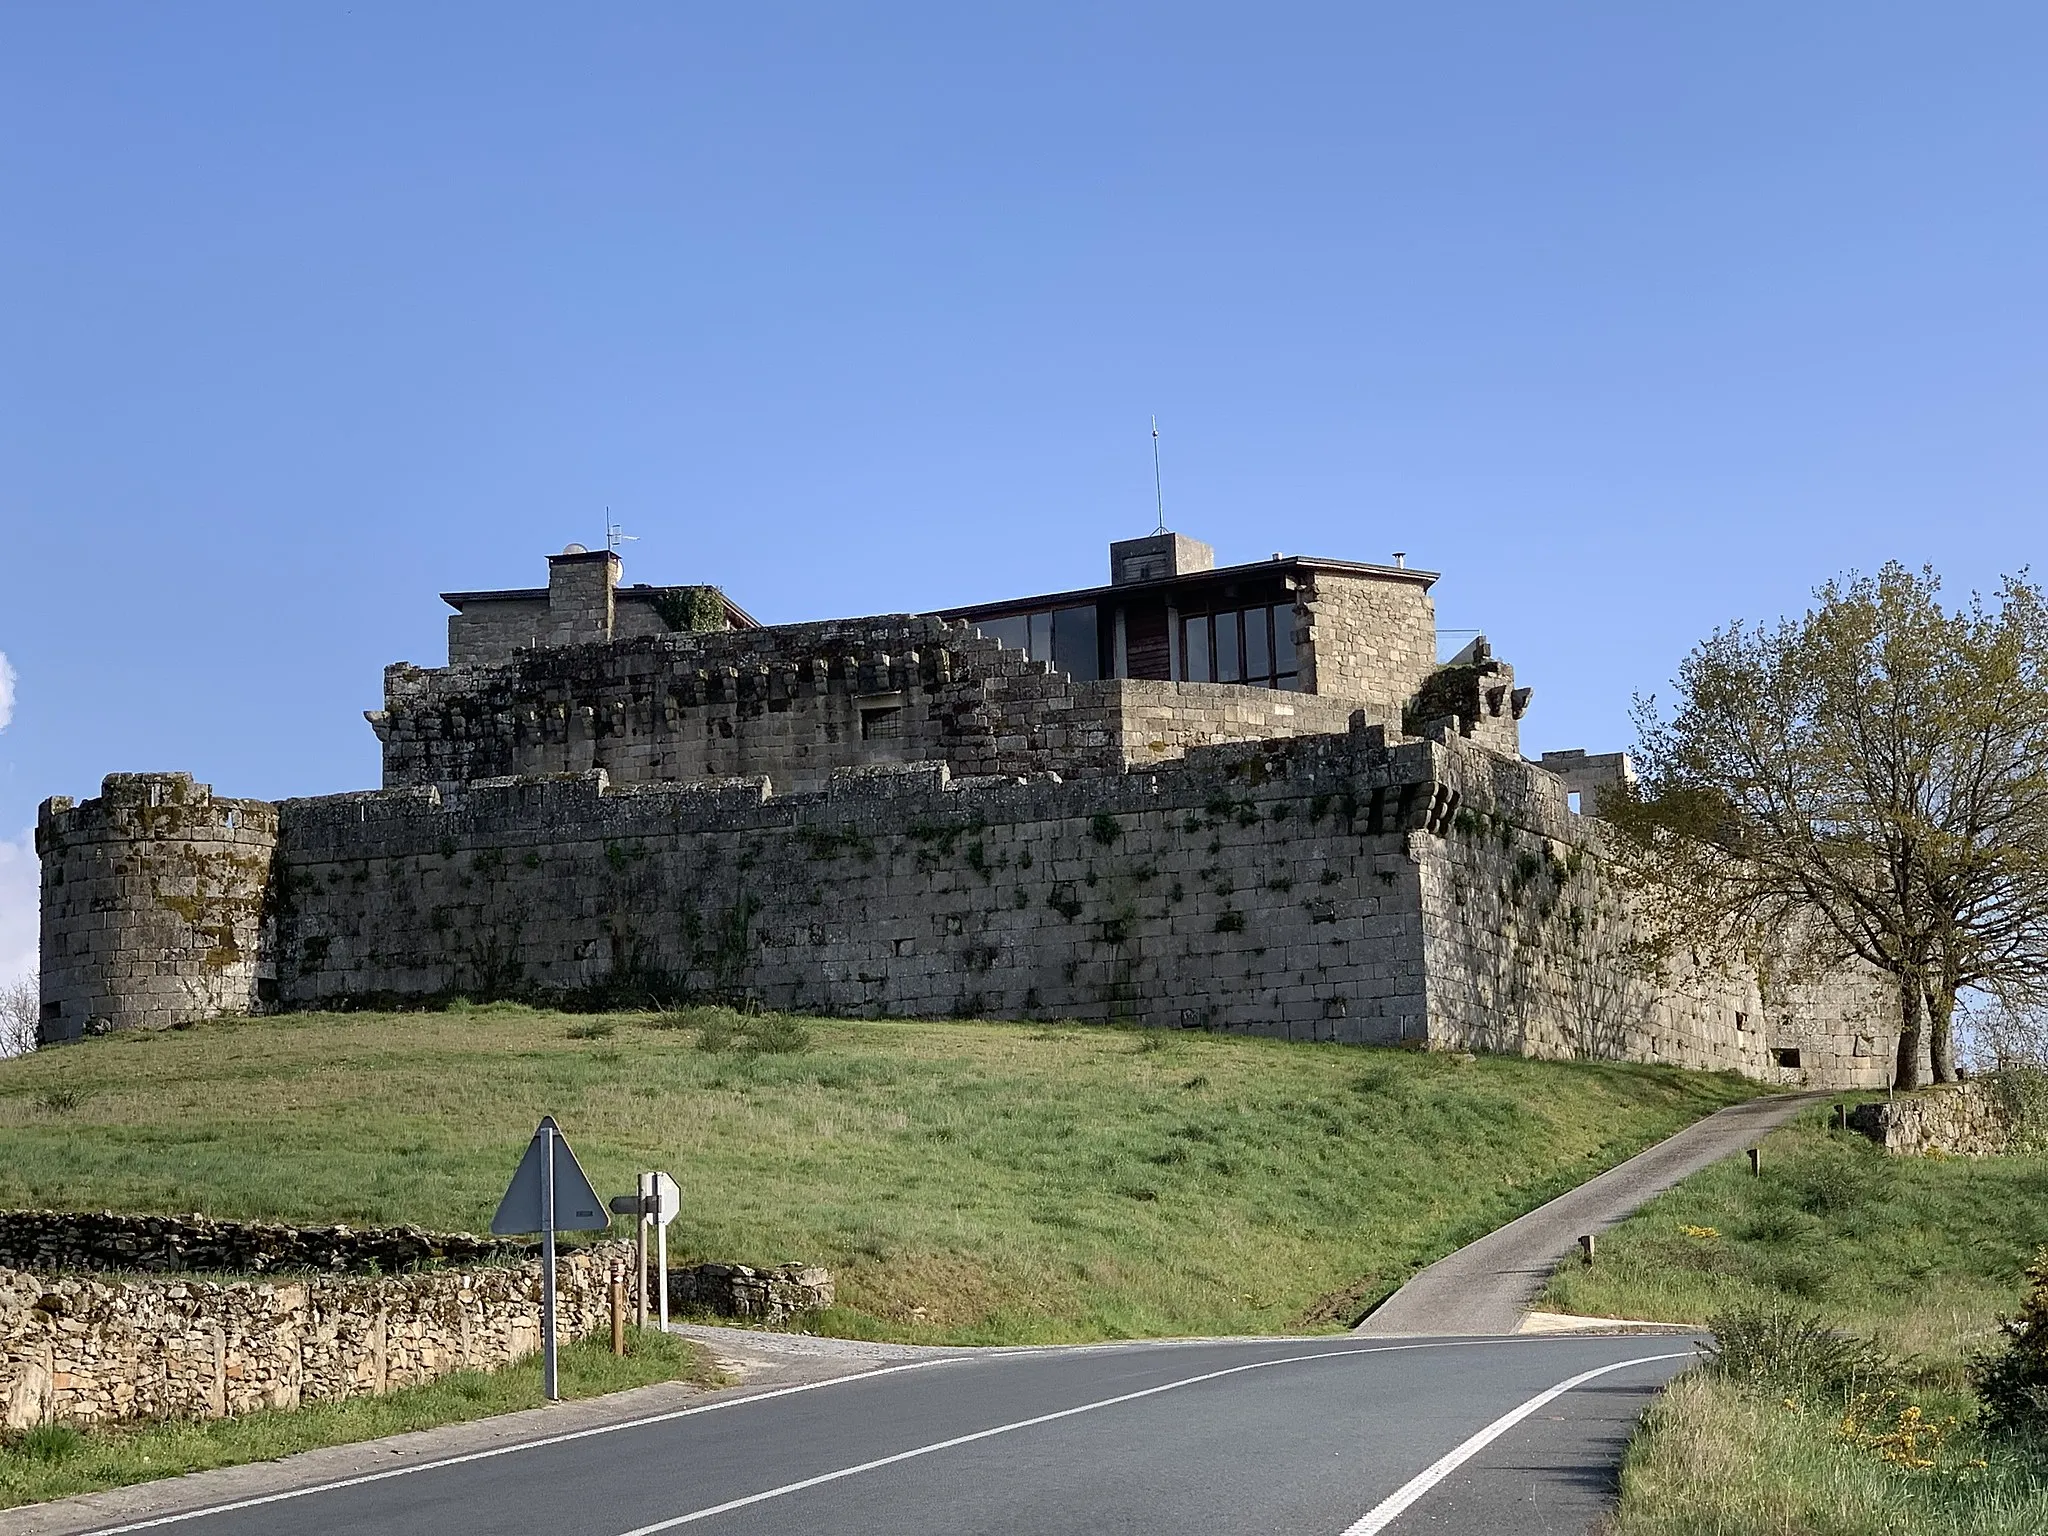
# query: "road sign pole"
[[661, 1270], [640, 1252], [550, 1388]]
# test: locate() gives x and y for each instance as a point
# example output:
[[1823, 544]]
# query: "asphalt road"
[[1486, 1286], [1327, 1437]]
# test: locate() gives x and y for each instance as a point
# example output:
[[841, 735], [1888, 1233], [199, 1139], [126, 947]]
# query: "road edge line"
[[335, 1484], [1395, 1504]]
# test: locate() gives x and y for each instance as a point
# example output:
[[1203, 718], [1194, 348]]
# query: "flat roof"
[[639, 591], [1289, 565]]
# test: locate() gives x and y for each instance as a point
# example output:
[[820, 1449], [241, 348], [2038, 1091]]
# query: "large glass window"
[[1074, 650], [1065, 637], [1241, 645]]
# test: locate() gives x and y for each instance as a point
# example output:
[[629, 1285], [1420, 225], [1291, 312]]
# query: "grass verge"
[[1918, 1256], [1713, 1459], [56, 1461], [966, 1182], [1919, 1253]]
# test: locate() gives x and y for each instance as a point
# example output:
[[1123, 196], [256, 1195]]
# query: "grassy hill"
[[966, 1182]]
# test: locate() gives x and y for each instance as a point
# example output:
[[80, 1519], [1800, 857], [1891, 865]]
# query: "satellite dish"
[[574, 549]]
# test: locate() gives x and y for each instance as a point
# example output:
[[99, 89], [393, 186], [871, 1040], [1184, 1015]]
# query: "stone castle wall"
[[1262, 886], [1370, 640], [1532, 949], [1346, 886], [152, 904], [798, 702]]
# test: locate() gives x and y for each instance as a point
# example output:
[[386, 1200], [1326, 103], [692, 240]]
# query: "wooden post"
[[646, 1186], [1756, 1162], [1586, 1247], [618, 1307]]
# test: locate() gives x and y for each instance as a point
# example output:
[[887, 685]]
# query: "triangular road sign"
[[577, 1206]]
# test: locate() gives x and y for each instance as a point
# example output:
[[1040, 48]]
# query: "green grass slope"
[[1920, 1253], [966, 1182]]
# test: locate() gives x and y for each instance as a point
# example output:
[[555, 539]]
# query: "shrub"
[[1785, 1353], [748, 1034], [2013, 1380], [52, 1442]]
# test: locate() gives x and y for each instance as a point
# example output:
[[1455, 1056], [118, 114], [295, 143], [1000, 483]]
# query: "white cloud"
[[6, 691], [21, 895]]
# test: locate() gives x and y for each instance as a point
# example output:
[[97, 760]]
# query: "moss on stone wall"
[[691, 610]]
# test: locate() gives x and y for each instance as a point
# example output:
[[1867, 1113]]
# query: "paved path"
[[1322, 1437], [1486, 1287]]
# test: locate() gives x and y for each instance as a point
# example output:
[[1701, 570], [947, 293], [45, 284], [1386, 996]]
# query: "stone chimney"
[[580, 595], [1157, 556]]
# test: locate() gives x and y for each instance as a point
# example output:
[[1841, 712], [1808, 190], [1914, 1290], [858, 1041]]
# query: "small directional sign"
[[577, 1206], [667, 1199]]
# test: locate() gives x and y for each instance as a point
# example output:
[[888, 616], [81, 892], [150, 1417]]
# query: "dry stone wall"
[[51, 1241], [87, 1350], [1967, 1119]]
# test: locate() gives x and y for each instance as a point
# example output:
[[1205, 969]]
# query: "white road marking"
[[338, 1484], [1388, 1510], [981, 1434], [507, 1450]]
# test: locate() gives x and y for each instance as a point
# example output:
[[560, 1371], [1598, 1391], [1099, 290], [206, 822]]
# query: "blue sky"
[[1631, 320]]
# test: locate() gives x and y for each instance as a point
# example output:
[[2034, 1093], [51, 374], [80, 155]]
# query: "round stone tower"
[[152, 905]]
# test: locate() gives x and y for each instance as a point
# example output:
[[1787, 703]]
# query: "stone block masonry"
[[87, 1350], [1266, 887], [1347, 886], [1969, 1119], [152, 904], [89, 1333], [799, 702]]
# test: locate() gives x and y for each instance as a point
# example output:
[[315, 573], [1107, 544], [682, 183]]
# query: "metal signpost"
[[667, 1201], [548, 1194], [657, 1200]]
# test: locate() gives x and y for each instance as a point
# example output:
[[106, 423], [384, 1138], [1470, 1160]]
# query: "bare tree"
[[20, 1011], [1872, 779]]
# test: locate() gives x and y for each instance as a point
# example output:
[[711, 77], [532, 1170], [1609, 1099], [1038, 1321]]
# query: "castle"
[[1242, 798]]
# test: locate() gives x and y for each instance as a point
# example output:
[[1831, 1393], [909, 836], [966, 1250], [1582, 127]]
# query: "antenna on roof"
[[1158, 488], [615, 533]]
